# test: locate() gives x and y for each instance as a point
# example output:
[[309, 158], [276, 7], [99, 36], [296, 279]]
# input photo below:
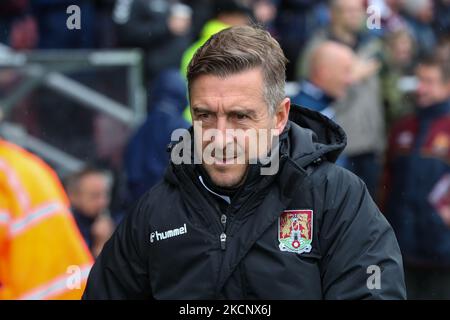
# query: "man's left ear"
[[282, 115]]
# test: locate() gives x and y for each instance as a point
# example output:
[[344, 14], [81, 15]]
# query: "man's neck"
[[81, 215], [434, 110], [344, 36]]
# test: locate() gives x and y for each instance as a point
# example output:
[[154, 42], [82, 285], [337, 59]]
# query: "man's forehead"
[[227, 105], [428, 70], [242, 89], [248, 80]]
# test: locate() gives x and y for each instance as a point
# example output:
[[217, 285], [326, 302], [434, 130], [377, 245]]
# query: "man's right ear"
[[282, 115]]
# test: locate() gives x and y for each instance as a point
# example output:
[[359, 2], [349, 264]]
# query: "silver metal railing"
[[47, 68]]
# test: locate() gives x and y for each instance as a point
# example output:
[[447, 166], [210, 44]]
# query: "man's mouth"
[[225, 161], [225, 158]]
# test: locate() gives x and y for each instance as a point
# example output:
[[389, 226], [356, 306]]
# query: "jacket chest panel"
[[183, 264], [270, 273], [190, 261]]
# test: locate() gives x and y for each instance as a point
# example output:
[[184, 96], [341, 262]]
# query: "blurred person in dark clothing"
[[441, 21], [398, 60], [146, 156], [18, 28], [417, 184], [160, 27], [296, 22], [360, 112], [329, 76], [419, 16], [328, 80], [89, 195]]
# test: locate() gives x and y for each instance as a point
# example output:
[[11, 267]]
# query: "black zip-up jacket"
[[174, 244]]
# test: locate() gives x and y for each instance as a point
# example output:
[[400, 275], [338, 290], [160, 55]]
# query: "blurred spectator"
[[40, 245], [111, 138], [398, 59], [89, 194], [418, 185], [296, 22], [360, 112], [328, 78], [265, 13], [160, 27], [441, 21], [146, 156], [18, 29], [419, 17]]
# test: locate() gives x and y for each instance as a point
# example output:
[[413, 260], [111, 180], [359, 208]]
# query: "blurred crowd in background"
[[379, 68]]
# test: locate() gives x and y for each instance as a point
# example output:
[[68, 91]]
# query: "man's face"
[[233, 102], [349, 14], [402, 50], [338, 78], [394, 5], [431, 88], [426, 14], [92, 195]]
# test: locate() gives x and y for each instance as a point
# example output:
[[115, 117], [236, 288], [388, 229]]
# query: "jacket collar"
[[434, 111], [310, 89]]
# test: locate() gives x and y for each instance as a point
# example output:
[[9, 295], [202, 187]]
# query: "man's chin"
[[226, 178]]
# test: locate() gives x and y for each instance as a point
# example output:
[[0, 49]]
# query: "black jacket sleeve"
[[121, 270], [361, 258]]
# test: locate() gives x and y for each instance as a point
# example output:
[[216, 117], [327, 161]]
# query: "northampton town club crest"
[[295, 230]]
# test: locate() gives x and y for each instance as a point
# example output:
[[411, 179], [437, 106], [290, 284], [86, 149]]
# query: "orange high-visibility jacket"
[[42, 253]]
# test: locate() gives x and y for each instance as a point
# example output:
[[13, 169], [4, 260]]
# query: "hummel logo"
[[168, 234]]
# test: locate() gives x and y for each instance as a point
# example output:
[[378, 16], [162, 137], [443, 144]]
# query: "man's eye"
[[241, 116], [203, 115]]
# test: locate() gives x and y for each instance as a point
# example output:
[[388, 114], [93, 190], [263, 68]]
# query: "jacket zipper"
[[223, 240], [227, 226], [223, 235]]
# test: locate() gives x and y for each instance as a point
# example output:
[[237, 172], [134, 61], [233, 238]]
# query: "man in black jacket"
[[294, 227]]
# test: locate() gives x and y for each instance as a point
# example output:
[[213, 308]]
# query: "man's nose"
[[223, 126], [420, 87]]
